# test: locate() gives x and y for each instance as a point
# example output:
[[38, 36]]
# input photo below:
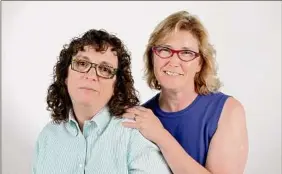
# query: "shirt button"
[[80, 165]]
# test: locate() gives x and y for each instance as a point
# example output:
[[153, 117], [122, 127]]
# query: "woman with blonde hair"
[[198, 128]]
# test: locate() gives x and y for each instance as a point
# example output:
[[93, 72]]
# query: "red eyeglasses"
[[184, 55]]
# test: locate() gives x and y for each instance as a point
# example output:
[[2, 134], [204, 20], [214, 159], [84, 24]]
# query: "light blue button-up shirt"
[[104, 147]]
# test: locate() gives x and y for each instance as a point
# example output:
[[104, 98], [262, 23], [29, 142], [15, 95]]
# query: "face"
[[172, 72], [89, 88]]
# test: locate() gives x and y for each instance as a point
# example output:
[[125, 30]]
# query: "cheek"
[[158, 64], [107, 87], [197, 66], [70, 86], [192, 68], [72, 81]]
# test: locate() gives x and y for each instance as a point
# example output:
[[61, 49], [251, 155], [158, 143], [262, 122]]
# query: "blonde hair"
[[206, 80]]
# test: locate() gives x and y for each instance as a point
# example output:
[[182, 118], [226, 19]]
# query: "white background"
[[247, 36]]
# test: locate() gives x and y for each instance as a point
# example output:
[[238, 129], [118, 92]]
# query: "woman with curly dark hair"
[[92, 86]]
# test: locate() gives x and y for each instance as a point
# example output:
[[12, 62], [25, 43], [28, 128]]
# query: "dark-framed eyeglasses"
[[102, 70], [184, 55]]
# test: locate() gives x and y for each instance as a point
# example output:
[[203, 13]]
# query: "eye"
[[104, 69], [82, 63], [163, 51], [187, 53]]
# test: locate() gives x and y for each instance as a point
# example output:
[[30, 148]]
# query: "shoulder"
[[213, 100], [51, 129], [232, 104], [219, 106], [132, 136], [216, 95], [151, 102], [139, 140], [230, 109], [233, 113]]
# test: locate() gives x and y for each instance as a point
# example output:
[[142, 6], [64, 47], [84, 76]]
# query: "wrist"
[[163, 136]]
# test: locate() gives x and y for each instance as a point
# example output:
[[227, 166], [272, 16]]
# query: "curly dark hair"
[[125, 95]]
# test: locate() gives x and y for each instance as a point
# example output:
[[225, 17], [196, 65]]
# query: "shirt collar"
[[101, 119]]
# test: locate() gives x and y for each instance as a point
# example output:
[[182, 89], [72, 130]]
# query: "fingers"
[[141, 108], [134, 113], [128, 115], [138, 110]]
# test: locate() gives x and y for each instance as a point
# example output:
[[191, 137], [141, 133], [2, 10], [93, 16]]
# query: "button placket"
[[82, 154]]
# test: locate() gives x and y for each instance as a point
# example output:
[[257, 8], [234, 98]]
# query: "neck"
[[84, 113], [173, 101]]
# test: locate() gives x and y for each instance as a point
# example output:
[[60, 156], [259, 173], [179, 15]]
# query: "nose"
[[174, 60], [92, 74]]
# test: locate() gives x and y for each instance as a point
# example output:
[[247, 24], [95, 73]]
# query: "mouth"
[[87, 88], [171, 73]]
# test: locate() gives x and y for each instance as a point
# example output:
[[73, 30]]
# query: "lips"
[[87, 88], [172, 73]]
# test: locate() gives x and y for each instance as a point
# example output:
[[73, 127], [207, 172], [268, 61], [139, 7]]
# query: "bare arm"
[[229, 147]]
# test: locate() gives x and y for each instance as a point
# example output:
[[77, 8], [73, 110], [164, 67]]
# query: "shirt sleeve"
[[34, 159], [39, 147], [144, 157]]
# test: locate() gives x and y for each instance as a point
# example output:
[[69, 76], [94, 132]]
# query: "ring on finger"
[[135, 115]]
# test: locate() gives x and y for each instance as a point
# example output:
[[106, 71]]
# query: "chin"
[[170, 82], [170, 87], [85, 100]]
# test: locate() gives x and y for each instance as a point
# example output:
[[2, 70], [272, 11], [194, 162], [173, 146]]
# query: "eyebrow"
[[83, 57], [107, 63], [185, 48], [88, 59]]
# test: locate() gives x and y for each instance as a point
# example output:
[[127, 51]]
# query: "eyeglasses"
[[184, 55], [102, 70]]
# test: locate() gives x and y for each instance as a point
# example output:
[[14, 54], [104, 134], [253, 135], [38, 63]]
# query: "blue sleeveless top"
[[194, 126]]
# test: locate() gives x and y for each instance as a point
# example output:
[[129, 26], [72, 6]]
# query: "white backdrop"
[[247, 36]]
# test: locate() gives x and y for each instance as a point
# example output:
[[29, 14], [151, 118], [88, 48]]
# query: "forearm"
[[177, 158]]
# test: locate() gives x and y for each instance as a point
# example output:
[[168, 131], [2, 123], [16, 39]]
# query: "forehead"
[[180, 40], [89, 53]]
